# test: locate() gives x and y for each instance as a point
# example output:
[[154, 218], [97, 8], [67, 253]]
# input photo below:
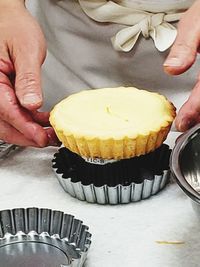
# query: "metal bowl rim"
[[181, 143]]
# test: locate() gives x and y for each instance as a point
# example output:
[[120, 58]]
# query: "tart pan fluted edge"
[[103, 184], [42, 238]]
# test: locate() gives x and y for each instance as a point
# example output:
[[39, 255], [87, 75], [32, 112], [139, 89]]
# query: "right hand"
[[22, 52], [182, 56]]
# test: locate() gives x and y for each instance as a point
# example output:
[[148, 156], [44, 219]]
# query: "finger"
[[12, 113], [6, 66], [28, 58], [52, 138], [189, 114], [10, 135], [183, 52], [28, 85], [41, 117]]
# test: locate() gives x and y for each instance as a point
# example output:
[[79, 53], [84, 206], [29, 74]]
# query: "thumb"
[[28, 58], [28, 82], [183, 52]]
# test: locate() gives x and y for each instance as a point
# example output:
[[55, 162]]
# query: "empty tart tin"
[[185, 164], [112, 182], [43, 238]]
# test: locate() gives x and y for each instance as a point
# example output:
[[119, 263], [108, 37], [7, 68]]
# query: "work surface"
[[123, 235]]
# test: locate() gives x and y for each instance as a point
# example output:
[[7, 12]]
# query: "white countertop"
[[123, 235]]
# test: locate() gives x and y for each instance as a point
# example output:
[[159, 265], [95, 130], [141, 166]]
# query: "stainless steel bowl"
[[185, 164]]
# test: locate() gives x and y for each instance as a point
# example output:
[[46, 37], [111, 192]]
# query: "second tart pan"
[[123, 181]]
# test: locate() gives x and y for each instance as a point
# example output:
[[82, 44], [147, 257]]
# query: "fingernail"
[[52, 138], [185, 124], [173, 62], [53, 141], [31, 99]]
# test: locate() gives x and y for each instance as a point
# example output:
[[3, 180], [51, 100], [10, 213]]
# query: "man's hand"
[[181, 57], [22, 52]]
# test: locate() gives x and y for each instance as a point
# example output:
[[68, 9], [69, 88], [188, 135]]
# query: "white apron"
[[99, 43]]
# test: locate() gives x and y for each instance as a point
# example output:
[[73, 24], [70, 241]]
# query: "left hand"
[[181, 57]]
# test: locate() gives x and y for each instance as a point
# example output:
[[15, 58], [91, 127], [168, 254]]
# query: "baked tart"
[[113, 123]]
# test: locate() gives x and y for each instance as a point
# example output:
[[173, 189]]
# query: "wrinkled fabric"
[[137, 22]]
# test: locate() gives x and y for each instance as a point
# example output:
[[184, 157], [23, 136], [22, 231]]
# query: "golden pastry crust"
[[113, 123]]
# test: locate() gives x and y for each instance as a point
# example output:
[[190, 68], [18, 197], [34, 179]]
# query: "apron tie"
[[136, 22]]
